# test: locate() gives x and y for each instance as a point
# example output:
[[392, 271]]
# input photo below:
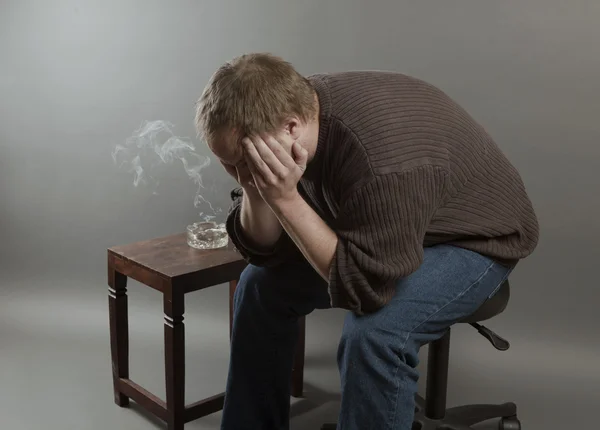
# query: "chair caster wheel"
[[509, 423]]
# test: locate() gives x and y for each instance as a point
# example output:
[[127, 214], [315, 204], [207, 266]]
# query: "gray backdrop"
[[77, 77]]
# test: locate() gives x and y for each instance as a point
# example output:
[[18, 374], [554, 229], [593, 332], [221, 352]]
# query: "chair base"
[[461, 417]]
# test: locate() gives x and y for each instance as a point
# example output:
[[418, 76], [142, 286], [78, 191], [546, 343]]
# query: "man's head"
[[251, 95]]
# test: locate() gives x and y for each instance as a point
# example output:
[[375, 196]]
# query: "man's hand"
[[260, 225], [242, 175], [276, 165]]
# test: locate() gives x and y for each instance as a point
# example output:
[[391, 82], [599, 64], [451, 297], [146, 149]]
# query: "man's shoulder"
[[356, 84], [389, 116], [367, 100], [348, 76]]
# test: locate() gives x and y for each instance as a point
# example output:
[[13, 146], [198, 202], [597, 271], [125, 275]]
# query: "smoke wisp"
[[155, 144]]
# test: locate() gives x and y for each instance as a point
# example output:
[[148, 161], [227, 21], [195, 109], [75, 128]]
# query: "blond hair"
[[252, 94]]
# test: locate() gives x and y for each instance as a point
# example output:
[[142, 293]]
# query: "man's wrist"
[[251, 192], [285, 206], [315, 239], [260, 226]]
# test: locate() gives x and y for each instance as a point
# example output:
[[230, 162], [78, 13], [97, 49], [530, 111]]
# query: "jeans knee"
[[368, 339], [248, 286], [358, 335], [259, 289]]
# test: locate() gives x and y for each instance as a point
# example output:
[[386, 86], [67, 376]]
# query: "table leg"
[[119, 331], [175, 358]]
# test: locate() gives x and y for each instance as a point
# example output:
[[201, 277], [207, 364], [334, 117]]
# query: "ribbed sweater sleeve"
[[380, 230], [280, 252]]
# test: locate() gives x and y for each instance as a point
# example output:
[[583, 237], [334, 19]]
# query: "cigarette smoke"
[[155, 144]]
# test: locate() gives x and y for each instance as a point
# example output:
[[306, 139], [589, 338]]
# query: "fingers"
[[281, 147], [300, 155], [271, 153], [257, 165], [245, 175], [255, 174], [271, 158]]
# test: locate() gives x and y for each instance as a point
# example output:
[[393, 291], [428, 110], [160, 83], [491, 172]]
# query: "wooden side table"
[[172, 267]]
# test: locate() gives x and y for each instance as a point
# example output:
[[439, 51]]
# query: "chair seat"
[[492, 307]]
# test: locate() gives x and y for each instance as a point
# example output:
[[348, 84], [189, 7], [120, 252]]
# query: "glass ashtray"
[[207, 235]]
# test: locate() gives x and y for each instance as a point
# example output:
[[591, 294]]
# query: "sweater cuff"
[[254, 255]]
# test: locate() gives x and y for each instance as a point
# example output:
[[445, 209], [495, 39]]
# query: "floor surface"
[[56, 371]]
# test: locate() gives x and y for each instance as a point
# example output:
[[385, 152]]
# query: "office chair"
[[431, 412]]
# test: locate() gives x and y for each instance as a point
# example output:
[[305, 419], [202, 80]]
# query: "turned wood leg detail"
[[175, 359], [119, 331]]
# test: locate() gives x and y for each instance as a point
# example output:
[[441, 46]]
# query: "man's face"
[[227, 147]]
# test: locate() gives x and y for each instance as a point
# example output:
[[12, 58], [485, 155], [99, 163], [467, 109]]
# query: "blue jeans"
[[377, 354]]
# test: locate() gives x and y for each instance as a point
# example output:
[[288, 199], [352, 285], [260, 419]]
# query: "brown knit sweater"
[[400, 166]]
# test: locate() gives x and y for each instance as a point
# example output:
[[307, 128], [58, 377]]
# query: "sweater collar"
[[315, 166]]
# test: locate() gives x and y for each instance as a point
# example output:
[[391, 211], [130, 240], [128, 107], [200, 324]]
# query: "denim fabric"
[[377, 354]]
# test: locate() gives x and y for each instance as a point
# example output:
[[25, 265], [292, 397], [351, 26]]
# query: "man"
[[369, 191]]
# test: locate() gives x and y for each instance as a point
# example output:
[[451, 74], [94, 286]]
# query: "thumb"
[[300, 155]]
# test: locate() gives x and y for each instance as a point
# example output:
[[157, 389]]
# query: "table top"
[[172, 257]]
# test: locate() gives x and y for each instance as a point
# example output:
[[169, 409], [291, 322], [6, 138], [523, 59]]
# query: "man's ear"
[[293, 127]]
